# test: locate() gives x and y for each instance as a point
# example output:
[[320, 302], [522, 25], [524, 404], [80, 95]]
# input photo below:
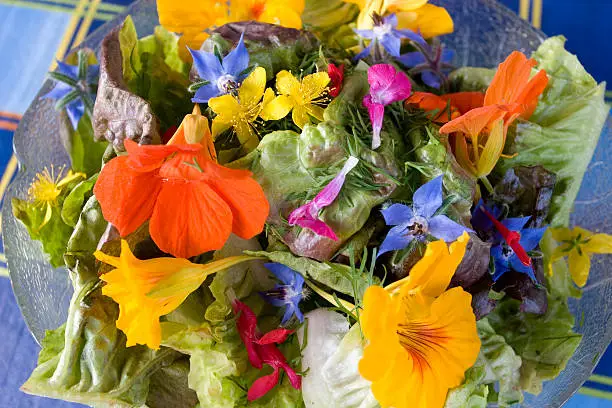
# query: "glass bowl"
[[485, 33]]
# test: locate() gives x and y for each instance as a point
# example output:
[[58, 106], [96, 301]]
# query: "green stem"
[[487, 184]]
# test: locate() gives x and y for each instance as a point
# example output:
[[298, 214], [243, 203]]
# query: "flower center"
[[45, 188], [417, 226], [257, 9], [382, 30], [282, 292], [227, 83], [507, 252]]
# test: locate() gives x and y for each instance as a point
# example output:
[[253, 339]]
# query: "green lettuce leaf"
[[544, 343], [292, 168], [71, 208], [153, 70], [168, 386], [472, 393], [86, 360], [563, 132], [84, 151]]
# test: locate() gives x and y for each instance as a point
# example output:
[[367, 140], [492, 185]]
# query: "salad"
[[288, 205]]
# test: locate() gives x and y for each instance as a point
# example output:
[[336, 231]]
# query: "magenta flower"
[[307, 216], [387, 85]]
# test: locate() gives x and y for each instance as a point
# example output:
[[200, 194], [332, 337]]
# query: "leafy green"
[[153, 70], [54, 234], [563, 132], [90, 363], [168, 387], [471, 79], [472, 393], [544, 343], [84, 151], [293, 168], [71, 209], [331, 354]]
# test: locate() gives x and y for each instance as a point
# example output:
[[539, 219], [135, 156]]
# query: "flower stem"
[[328, 297], [487, 184]]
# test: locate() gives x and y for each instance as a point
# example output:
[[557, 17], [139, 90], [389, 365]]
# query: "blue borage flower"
[[431, 62], [75, 87], [385, 34], [288, 294], [419, 221], [504, 255], [221, 75]]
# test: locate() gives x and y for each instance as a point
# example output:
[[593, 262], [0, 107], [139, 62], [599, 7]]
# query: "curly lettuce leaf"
[[564, 130], [472, 393], [331, 354], [544, 343]]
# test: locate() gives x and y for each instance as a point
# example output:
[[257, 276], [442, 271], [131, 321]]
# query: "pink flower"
[[307, 215], [387, 85], [262, 350], [336, 76]]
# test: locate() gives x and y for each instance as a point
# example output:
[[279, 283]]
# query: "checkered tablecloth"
[[34, 33]]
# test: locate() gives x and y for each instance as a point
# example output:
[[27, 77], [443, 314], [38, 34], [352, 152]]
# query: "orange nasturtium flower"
[[510, 95], [444, 108], [148, 289], [193, 204], [421, 337], [415, 15]]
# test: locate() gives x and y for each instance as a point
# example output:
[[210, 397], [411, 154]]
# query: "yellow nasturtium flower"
[[146, 290], [415, 15], [421, 337], [578, 245], [303, 97], [242, 109], [287, 13]]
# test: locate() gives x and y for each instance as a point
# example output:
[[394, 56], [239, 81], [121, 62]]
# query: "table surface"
[[36, 32]]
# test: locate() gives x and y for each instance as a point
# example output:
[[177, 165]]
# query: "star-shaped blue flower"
[[288, 293], [419, 221], [75, 88], [222, 75], [385, 34], [430, 62]]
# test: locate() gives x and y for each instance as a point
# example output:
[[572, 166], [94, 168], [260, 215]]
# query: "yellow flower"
[[421, 337], [578, 244], [287, 13], [240, 111], [47, 187], [146, 290], [415, 15], [304, 97]]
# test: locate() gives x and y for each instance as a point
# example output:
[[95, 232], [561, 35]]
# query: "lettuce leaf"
[[86, 360], [472, 393], [331, 354], [71, 208], [84, 151], [563, 132], [544, 343], [293, 167]]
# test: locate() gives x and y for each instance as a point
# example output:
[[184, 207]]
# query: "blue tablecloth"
[[33, 33]]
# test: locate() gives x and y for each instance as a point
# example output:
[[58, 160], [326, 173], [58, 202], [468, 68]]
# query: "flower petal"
[[243, 195], [207, 65], [396, 239], [364, 53], [246, 323], [314, 85], [431, 79], [287, 84], [330, 192], [252, 89], [300, 116], [531, 237], [206, 92], [446, 229], [599, 244], [474, 121], [283, 273], [377, 114], [465, 101], [411, 59], [579, 266], [428, 198], [127, 197], [397, 214], [237, 60], [275, 107], [492, 149], [387, 85], [391, 44], [431, 21], [516, 224], [519, 266], [189, 219], [316, 225], [274, 336]]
